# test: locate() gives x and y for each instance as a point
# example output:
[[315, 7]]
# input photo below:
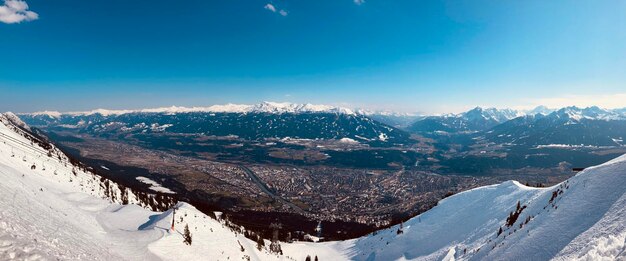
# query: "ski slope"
[[59, 211], [585, 221]]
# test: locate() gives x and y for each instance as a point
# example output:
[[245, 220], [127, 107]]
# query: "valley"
[[360, 199], [351, 173]]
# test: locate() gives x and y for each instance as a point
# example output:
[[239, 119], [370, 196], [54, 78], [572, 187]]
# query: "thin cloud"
[[270, 7], [16, 11], [273, 9], [359, 2]]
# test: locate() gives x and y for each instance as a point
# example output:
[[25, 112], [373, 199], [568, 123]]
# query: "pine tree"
[[308, 258], [187, 235], [260, 243]]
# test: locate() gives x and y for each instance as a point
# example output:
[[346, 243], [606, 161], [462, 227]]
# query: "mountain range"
[[568, 126], [476, 119], [480, 119], [263, 107], [252, 122], [395, 119], [571, 126], [61, 209]]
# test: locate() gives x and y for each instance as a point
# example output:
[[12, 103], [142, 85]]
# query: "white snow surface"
[[55, 214], [348, 141], [155, 186]]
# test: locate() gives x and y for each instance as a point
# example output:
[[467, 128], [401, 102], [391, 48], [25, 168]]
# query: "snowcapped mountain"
[[395, 119], [264, 107], [477, 119], [590, 113], [543, 110], [491, 114], [570, 126], [254, 122], [621, 111], [54, 208]]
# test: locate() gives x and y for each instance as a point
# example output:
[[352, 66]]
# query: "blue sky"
[[413, 56]]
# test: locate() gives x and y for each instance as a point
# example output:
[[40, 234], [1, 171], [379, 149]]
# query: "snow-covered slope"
[[66, 212], [583, 218], [52, 209]]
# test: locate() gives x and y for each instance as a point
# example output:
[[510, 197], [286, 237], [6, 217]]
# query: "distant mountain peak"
[[263, 107], [286, 107], [541, 109], [367, 112], [494, 114], [590, 113]]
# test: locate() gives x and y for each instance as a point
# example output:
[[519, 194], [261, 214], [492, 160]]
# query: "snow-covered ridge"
[[495, 114], [589, 113], [572, 112], [490, 113], [264, 107], [386, 113]]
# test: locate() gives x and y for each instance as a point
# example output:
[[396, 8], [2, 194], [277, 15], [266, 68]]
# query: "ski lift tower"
[[173, 217]]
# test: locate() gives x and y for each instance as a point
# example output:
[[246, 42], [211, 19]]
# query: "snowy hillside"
[[53, 209], [582, 218]]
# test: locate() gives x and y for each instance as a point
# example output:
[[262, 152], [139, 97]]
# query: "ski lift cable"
[[14, 140], [18, 141], [34, 149], [23, 144]]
